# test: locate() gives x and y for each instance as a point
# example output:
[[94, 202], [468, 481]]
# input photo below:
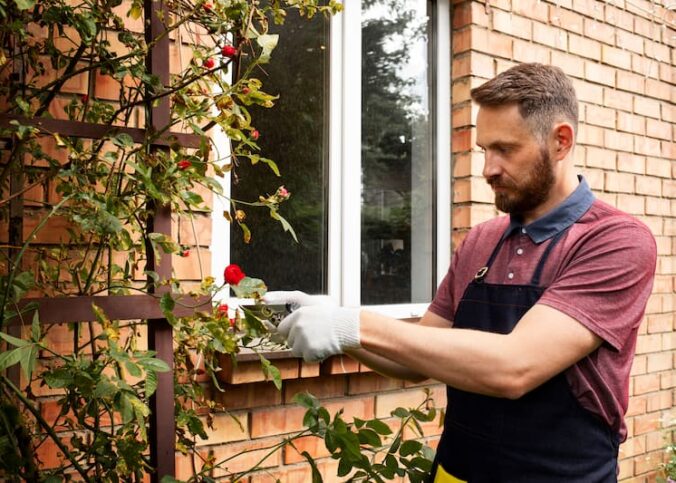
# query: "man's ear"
[[564, 139]]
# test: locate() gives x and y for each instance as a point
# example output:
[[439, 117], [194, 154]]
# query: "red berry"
[[185, 253], [209, 63], [208, 7], [255, 134], [229, 51], [233, 274], [184, 164]]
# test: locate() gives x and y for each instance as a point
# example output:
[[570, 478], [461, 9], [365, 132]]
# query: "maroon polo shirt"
[[600, 274]]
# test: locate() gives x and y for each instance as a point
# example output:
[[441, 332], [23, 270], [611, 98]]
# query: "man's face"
[[517, 165]]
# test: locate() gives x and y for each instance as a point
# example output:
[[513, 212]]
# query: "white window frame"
[[344, 199]]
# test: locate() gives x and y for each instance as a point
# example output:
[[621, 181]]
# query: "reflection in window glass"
[[397, 158], [293, 134]]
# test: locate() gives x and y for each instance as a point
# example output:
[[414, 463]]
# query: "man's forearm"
[[384, 366]]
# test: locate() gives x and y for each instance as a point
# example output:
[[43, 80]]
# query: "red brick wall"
[[622, 62]]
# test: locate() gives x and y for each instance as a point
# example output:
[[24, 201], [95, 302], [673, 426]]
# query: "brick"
[[668, 380], [552, 36], [630, 123], [600, 116], [628, 81], [660, 400], [595, 178], [599, 31], [599, 73], [362, 407], [572, 65], [587, 92], [626, 469], [386, 403], [647, 185], [566, 19], [309, 369], [648, 343], [647, 462], [619, 18], [647, 146], [637, 406], [644, 66], [654, 50], [312, 444], [482, 65], [655, 441], [493, 43], [321, 387], [528, 52], [660, 323], [248, 395], [619, 182], [242, 456], [647, 107], [632, 447], [532, 9], [460, 91], [462, 40], [639, 365], [192, 267], [372, 382], [610, 198], [461, 116], [618, 99], [281, 420], [617, 141], [601, 158], [590, 49], [661, 90], [339, 365], [659, 129], [247, 372], [646, 383], [226, 427], [629, 41], [508, 23], [660, 362], [586, 7], [669, 188], [657, 206], [293, 474]]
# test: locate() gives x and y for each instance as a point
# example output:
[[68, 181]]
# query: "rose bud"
[[229, 51], [208, 6], [184, 164], [185, 253], [208, 63], [283, 192], [222, 309], [245, 90], [233, 274], [255, 134], [232, 322], [85, 98], [240, 215]]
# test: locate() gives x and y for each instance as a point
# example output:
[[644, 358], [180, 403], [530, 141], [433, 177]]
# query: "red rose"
[[185, 253], [233, 274], [233, 322], [209, 63], [222, 309], [229, 51], [184, 164], [85, 98], [255, 134]]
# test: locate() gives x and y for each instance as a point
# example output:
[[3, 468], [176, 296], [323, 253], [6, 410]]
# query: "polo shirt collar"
[[559, 218]]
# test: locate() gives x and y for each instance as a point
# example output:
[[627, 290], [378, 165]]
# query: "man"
[[534, 327]]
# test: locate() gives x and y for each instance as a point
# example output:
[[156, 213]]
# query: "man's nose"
[[491, 166]]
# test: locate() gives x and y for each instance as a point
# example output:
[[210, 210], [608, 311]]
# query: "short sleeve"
[[605, 282], [444, 301]]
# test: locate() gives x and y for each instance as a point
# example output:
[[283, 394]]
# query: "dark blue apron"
[[544, 436]]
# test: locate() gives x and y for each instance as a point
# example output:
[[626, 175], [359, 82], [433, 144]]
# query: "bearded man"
[[534, 327]]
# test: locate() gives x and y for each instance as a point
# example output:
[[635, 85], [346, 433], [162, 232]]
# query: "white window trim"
[[344, 235]]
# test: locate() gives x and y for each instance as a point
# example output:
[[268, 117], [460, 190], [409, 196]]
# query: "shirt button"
[[510, 275], [519, 251]]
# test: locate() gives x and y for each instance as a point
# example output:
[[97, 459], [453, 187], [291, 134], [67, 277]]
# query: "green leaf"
[[250, 288], [271, 372], [167, 303], [58, 378], [305, 399], [35, 327], [29, 359], [267, 42], [123, 140], [379, 427], [285, 224], [151, 383], [154, 364], [105, 389], [370, 437], [344, 467], [13, 340], [133, 369], [25, 4], [9, 358], [400, 413], [410, 447], [316, 475], [273, 166]]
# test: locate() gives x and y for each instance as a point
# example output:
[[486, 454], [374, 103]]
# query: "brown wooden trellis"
[[130, 307]]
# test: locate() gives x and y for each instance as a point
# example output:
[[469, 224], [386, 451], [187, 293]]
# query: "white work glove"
[[318, 328], [296, 299]]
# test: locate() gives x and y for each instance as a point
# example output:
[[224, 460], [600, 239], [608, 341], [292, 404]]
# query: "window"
[[361, 135]]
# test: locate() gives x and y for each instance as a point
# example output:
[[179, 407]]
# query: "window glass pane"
[[397, 159], [294, 135]]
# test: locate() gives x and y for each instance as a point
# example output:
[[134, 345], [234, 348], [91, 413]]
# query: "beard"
[[523, 196]]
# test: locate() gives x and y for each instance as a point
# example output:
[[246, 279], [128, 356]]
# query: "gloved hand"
[[317, 328], [316, 332], [297, 299]]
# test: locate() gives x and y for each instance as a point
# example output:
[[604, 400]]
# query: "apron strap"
[[481, 274], [541, 264]]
